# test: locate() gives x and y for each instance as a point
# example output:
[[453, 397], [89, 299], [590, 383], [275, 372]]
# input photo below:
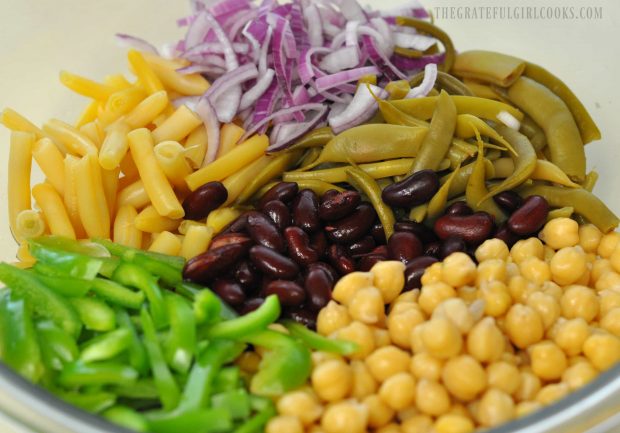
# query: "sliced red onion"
[[339, 78], [261, 86], [306, 69], [215, 48], [196, 5], [414, 41], [409, 64], [430, 76], [263, 58], [197, 30], [206, 112], [351, 33], [385, 31], [189, 101], [352, 10], [225, 92], [229, 53], [344, 58], [296, 109], [362, 107], [129, 41], [201, 69], [314, 25], [265, 104], [284, 134], [509, 120]]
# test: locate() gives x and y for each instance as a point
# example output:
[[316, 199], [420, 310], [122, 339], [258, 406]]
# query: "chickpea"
[[389, 279], [406, 413], [496, 298], [345, 417], [548, 360], [560, 232], [464, 377], [552, 288], [492, 249], [398, 391], [248, 361], [579, 301], [458, 269], [524, 326], [379, 413], [433, 294], [579, 374], [467, 293], [520, 288], [315, 429], [526, 248], [599, 267], [401, 324], [417, 343], [332, 380], [611, 322], [300, 404], [331, 318], [589, 237], [425, 366], [366, 306], [361, 334], [535, 270], [319, 357], [571, 334], [548, 254], [417, 424], [451, 423], [410, 296], [432, 274], [432, 398], [389, 428], [602, 349], [382, 337], [441, 338], [348, 285], [284, 424], [546, 306], [387, 361], [504, 376], [551, 393], [485, 341], [457, 312], [527, 407], [608, 244], [495, 407], [364, 384], [608, 300], [568, 265], [608, 280], [529, 387]]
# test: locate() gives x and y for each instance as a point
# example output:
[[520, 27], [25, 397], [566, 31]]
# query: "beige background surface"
[[41, 37]]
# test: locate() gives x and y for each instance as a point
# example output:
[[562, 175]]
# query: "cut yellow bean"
[[166, 243], [70, 195], [85, 87], [50, 160], [30, 224], [115, 146], [488, 66], [196, 241], [125, 231], [16, 122], [120, 103], [93, 131], [90, 113], [157, 186], [143, 71], [110, 180], [229, 136], [117, 81], [147, 110], [177, 126], [92, 205], [185, 84], [220, 218], [239, 157], [20, 166], [423, 108], [236, 183], [53, 210], [186, 224], [546, 170], [26, 259], [196, 146], [171, 158], [150, 221], [73, 140], [133, 195]]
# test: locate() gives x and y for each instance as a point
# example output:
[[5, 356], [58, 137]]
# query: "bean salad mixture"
[[311, 217]]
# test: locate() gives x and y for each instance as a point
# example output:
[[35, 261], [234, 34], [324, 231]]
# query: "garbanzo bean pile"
[[477, 346]]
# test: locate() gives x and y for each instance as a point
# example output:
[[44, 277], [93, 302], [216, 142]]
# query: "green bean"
[[438, 203], [552, 114], [408, 52], [394, 116], [456, 156], [310, 156], [492, 154], [459, 183], [426, 27], [476, 192], [446, 82], [531, 130], [546, 170], [315, 138], [418, 213], [590, 181], [366, 184], [563, 212], [318, 186], [488, 66], [466, 126], [584, 202], [423, 108], [482, 90], [376, 170], [439, 137], [524, 161], [397, 89], [504, 167], [587, 128]]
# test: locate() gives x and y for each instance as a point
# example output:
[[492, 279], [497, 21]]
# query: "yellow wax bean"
[[177, 126], [220, 218], [121, 102], [147, 110], [125, 231], [150, 221], [85, 87], [133, 195], [236, 183], [74, 141], [196, 241], [233, 161], [29, 224], [185, 84], [115, 146], [53, 210], [196, 146], [20, 165], [157, 186], [50, 160], [70, 195], [16, 122], [143, 71], [229, 136], [89, 114], [166, 243], [93, 131], [171, 159], [91, 201]]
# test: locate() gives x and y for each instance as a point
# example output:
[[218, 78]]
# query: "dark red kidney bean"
[[229, 290], [333, 274], [264, 232], [414, 271], [198, 204], [283, 191], [451, 245], [378, 233], [306, 211], [302, 316], [508, 200], [278, 212], [213, 263], [432, 249], [363, 246], [318, 284], [250, 305], [366, 262], [229, 239], [299, 248], [382, 250], [290, 293], [474, 229], [247, 275], [237, 226], [425, 234], [404, 246], [318, 242], [340, 259], [272, 263], [503, 233], [329, 194], [416, 189], [339, 206], [458, 208], [353, 227], [530, 217]]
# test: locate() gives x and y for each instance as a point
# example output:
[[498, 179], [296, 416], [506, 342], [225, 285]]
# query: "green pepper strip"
[[181, 342], [77, 374], [585, 203], [437, 204], [143, 389], [235, 401], [258, 421], [106, 346], [587, 127], [590, 182], [65, 286], [531, 130], [375, 170], [551, 113], [366, 184], [318, 342], [315, 138], [20, 349], [66, 262], [524, 162], [275, 168], [194, 421], [426, 27], [135, 276], [476, 189], [258, 319], [94, 313], [57, 347], [439, 137], [168, 389], [126, 417], [227, 379], [138, 357], [43, 301], [93, 402], [117, 294]]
